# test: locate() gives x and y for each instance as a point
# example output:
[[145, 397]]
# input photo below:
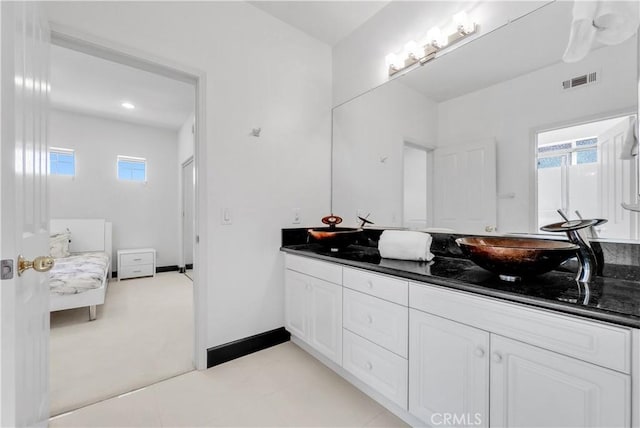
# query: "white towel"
[[616, 21], [582, 31], [609, 22], [405, 245]]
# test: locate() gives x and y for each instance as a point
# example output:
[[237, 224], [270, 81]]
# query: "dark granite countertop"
[[606, 299]]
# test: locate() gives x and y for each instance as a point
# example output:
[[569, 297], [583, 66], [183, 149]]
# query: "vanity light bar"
[[435, 42]]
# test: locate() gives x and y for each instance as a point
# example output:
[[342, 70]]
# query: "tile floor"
[[279, 386]]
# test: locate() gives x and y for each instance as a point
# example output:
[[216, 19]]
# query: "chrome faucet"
[[589, 265]]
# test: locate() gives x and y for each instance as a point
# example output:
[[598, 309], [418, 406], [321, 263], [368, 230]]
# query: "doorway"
[[187, 217], [416, 186], [195, 350]]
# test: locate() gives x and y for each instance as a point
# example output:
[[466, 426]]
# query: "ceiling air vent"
[[585, 79]]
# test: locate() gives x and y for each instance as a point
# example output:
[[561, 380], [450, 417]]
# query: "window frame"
[[60, 151], [131, 159]]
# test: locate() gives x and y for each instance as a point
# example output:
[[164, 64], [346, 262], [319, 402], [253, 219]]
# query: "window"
[[132, 169], [576, 152], [580, 170], [62, 161]]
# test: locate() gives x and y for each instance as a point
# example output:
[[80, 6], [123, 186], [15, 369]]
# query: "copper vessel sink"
[[334, 237], [514, 258]]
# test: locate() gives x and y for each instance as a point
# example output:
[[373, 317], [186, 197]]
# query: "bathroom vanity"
[[437, 341]]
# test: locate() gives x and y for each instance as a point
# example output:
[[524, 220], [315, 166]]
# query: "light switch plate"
[[225, 216], [296, 219]]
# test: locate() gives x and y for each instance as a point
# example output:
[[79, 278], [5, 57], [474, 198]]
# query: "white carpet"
[[143, 334]]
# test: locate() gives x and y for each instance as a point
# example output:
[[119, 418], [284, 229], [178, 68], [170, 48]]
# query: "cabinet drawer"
[[382, 322], [326, 271], [135, 271], [599, 343], [384, 287], [136, 259], [384, 371]]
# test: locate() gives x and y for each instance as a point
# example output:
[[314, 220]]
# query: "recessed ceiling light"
[[128, 105]]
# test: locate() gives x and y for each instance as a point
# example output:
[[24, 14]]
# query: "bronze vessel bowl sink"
[[334, 237], [514, 258]]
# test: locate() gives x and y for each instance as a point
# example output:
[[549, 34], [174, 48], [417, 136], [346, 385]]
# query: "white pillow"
[[59, 244]]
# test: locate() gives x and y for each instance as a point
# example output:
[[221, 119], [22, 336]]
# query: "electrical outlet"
[[297, 219]]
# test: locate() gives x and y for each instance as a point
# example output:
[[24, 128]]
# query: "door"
[[617, 185], [187, 212], [465, 196], [24, 300], [325, 319], [448, 371], [296, 289], [532, 387]]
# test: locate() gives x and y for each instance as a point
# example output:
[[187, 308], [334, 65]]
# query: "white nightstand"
[[136, 263]]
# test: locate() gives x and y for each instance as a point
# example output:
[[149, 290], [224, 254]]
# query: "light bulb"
[[412, 49], [393, 61], [462, 23], [434, 37]]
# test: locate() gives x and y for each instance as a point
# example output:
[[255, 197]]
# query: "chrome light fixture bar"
[[436, 41]]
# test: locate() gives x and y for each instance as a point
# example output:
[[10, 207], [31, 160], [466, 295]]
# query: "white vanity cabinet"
[[477, 374], [376, 330], [437, 356], [535, 387], [448, 370], [313, 306]]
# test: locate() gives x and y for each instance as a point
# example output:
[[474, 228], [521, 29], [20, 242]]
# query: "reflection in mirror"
[[415, 183], [476, 113], [589, 169]]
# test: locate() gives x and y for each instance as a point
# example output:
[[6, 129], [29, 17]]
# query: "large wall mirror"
[[494, 136]]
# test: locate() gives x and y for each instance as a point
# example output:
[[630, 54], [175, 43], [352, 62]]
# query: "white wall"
[[368, 159], [512, 111], [260, 73], [137, 210], [359, 59]]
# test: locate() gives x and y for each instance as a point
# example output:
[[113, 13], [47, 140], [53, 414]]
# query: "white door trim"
[[183, 261], [83, 42]]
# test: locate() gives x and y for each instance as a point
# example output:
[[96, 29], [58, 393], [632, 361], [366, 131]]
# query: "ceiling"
[[327, 21], [91, 85]]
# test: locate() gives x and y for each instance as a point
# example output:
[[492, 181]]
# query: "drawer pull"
[[369, 319], [369, 284], [137, 260], [137, 271], [369, 366], [497, 358], [479, 352]]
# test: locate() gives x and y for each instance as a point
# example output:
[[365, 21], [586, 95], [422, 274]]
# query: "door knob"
[[39, 264]]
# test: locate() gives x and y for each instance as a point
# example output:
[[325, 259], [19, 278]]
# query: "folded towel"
[[405, 245]]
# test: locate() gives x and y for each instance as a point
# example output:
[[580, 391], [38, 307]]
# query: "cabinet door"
[[448, 371], [532, 387], [325, 319], [297, 288]]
